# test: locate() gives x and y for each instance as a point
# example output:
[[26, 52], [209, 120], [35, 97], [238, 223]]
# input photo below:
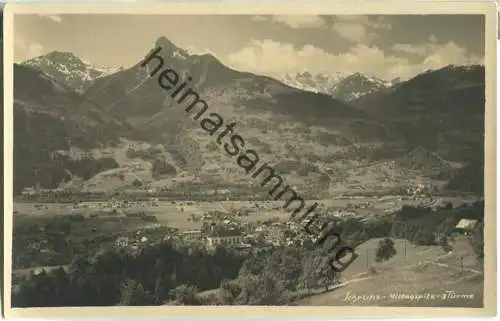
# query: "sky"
[[387, 46]]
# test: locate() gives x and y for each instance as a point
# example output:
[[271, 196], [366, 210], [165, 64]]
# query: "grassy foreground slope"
[[424, 270]]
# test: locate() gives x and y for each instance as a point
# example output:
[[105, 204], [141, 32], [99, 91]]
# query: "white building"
[[213, 241], [192, 235]]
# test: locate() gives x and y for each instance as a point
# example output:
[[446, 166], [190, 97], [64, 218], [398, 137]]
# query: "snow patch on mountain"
[[318, 83], [357, 85]]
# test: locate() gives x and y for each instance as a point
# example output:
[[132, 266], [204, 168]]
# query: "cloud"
[[411, 49], [24, 50], [433, 39], [305, 21], [35, 50], [53, 17], [193, 50], [450, 53], [359, 28], [275, 59], [423, 49], [260, 18], [353, 32], [436, 55], [294, 21]]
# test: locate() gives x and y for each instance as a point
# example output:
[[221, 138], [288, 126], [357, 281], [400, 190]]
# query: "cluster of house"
[[116, 204], [419, 190], [142, 237], [243, 236]]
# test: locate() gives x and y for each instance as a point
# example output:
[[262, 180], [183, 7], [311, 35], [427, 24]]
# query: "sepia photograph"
[[247, 157]]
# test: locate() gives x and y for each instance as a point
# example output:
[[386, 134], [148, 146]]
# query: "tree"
[[79, 266], [270, 289], [61, 280], [324, 273], [185, 294], [385, 250], [137, 183], [259, 290], [477, 241], [443, 233], [307, 280], [316, 271], [253, 265], [284, 265], [134, 294], [249, 290], [228, 292], [161, 167]]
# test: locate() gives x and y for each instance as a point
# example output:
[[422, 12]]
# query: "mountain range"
[[114, 129], [342, 87], [80, 75]]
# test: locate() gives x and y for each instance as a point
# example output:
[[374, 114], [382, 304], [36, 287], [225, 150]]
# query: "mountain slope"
[[442, 110], [48, 117], [68, 69]]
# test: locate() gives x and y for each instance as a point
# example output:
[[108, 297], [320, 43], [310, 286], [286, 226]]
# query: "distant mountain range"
[[80, 75], [356, 86], [342, 87], [113, 128]]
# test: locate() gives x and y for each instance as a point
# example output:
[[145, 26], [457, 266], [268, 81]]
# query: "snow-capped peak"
[[356, 86], [304, 80], [67, 68]]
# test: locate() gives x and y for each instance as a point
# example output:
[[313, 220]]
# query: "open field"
[[375, 203], [178, 214]]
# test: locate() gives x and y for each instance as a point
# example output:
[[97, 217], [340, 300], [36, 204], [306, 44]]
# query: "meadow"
[[422, 270]]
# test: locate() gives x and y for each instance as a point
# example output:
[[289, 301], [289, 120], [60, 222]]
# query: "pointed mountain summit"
[[169, 50]]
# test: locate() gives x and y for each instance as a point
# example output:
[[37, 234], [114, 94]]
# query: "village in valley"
[[238, 224], [55, 232]]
